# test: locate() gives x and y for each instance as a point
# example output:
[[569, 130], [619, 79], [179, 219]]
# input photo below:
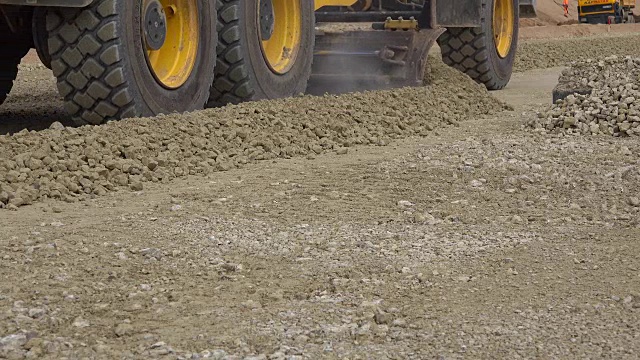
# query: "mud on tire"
[[98, 58], [473, 50], [241, 71]]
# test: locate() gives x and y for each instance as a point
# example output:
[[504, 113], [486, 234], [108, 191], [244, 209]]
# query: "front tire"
[[247, 69], [485, 53], [106, 71]]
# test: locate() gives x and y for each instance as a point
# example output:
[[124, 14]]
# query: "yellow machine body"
[[606, 11], [597, 7]]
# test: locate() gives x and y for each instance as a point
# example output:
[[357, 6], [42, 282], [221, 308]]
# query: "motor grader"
[[116, 59]]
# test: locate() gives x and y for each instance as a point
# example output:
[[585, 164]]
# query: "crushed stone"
[[72, 164], [541, 54], [610, 105]]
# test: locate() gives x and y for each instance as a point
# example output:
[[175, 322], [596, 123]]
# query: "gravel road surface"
[[424, 223]]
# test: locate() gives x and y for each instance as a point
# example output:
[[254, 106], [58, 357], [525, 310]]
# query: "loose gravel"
[[607, 99], [541, 54], [458, 241], [475, 240], [76, 163]]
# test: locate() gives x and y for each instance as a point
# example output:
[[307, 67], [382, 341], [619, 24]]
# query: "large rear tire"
[[249, 68], [109, 68], [485, 53]]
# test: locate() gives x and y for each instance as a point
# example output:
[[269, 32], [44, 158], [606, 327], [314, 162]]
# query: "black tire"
[[13, 49], [473, 50], [98, 58], [9, 62], [242, 74]]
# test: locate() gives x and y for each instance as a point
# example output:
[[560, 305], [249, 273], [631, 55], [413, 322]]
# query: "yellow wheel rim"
[[173, 63], [281, 50], [503, 24]]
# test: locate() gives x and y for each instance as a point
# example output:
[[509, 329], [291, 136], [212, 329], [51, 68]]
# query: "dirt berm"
[[541, 54], [73, 163]]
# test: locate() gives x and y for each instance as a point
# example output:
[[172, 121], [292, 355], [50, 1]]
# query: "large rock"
[[564, 89]]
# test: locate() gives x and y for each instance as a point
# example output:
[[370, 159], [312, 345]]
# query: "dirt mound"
[[572, 31], [550, 12], [569, 22], [540, 54], [612, 107], [75, 163]]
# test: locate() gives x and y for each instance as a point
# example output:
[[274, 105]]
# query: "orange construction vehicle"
[[606, 11]]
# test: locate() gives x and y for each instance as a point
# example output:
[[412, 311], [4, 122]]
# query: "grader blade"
[[360, 60]]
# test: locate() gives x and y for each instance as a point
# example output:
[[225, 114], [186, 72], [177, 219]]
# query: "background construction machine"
[[606, 11], [116, 59]]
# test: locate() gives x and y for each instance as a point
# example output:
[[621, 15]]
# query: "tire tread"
[[231, 83], [87, 63], [466, 49]]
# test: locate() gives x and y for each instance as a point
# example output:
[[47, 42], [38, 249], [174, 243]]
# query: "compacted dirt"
[[550, 12], [418, 223]]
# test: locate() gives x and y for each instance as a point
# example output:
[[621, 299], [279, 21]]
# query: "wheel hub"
[[155, 25], [503, 25], [267, 19], [281, 26], [170, 31]]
